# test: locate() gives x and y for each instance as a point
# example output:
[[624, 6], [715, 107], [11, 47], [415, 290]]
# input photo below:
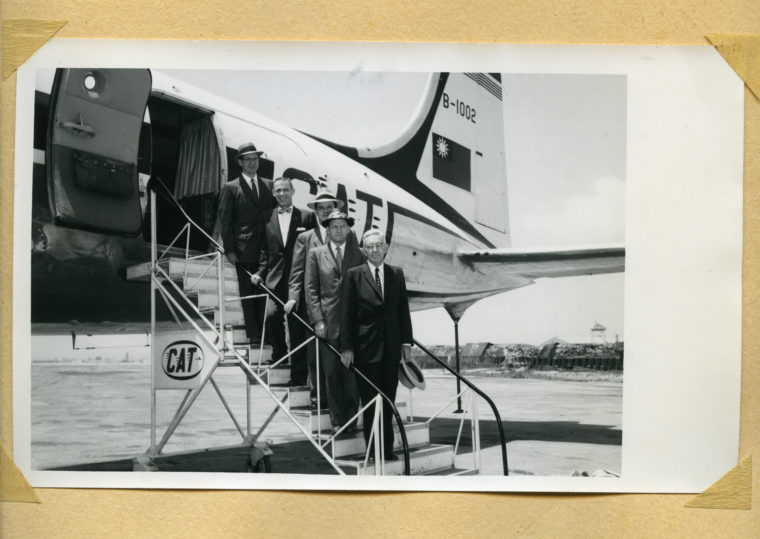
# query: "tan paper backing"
[[69, 512]]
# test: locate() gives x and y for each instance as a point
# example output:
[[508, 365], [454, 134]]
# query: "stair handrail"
[[352, 368], [479, 392], [169, 196]]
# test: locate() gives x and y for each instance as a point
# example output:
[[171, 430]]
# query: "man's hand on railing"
[[231, 258], [321, 330], [289, 306], [347, 358], [256, 279]]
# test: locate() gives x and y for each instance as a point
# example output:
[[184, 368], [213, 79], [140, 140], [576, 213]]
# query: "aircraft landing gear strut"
[[455, 315]]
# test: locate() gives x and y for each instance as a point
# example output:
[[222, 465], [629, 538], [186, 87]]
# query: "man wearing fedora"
[[323, 205], [282, 225], [242, 201], [325, 267], [375, 328]]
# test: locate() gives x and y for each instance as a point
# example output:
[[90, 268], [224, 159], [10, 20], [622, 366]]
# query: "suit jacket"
[[305, 242], [322, 284], [372, 324], [240, 217], [276, 257]]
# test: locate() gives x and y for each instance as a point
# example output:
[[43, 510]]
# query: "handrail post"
[[483, 395], [153, 262]]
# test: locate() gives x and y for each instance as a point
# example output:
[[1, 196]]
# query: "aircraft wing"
[[549, 262]]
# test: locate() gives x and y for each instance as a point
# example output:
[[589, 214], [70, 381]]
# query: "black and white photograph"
[[404, 267]]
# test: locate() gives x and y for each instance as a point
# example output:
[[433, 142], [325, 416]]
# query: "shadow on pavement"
[[444, 431]]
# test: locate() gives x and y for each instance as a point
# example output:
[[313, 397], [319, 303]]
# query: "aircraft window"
[[89, 82], [93, 82]]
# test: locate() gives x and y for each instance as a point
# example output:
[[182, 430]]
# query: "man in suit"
[[281, 227], [375, 328], [323, 205], [241, 203], [325, 268]]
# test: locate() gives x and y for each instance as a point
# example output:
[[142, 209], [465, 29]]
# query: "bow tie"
[[285, 210]]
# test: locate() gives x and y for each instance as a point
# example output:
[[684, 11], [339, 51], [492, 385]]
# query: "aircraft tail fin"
[[451, 154]]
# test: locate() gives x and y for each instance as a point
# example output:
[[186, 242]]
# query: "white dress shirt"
[[251, 183], [284, 219]]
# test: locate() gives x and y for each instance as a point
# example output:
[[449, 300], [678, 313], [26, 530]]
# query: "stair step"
[[277, 377], [177, 268], [417, 435], [210, 300], [321, 422], [299, 397], [239, 335], [231, 316], [210, 285], [422, 460]]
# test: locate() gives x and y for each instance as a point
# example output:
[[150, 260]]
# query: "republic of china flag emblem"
[[451, 162]]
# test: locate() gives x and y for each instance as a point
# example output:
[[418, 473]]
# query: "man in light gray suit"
[[325, 267], [323, 205]]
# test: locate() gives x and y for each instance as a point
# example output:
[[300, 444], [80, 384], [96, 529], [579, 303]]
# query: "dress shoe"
[[295, 383], [391, 457]]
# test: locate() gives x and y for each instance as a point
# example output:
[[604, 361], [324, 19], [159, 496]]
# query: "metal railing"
[[357, 372], [224, 346], [485, 397], [163, 283]]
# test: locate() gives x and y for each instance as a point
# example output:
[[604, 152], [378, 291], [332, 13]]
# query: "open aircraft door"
[[92, 149]]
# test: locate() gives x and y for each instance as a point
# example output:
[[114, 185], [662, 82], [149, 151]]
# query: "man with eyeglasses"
[[242, 201], [375, 328]]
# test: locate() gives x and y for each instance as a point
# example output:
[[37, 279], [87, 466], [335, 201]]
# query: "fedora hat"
[[410, 375], [337, 214], [325, 195], [246, 149]]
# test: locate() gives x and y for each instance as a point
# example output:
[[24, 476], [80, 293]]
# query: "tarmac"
[[552, 427]]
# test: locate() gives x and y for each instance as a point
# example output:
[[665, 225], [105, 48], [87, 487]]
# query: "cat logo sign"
[[180, 358]]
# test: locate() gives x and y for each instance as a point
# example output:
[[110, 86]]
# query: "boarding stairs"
[[199, 283], [197, 286]]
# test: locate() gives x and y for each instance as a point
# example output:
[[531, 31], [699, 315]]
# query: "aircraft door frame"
[[96, 117]]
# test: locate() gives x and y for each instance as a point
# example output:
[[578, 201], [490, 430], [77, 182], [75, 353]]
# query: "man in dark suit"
[[241, 203], [281, 227], [325, 268], [323, 205], [375, 328]]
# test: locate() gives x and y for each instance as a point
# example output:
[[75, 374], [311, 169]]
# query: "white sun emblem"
[[442, 147]]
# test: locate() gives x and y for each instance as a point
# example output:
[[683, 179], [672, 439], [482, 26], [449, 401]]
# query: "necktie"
[[377, 280], [339, 260], [254, 188], [285, 210]]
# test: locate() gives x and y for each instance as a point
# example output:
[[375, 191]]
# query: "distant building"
[[598, 333]]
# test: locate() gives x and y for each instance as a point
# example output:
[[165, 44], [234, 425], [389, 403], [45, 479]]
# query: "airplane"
[[438, 190]]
